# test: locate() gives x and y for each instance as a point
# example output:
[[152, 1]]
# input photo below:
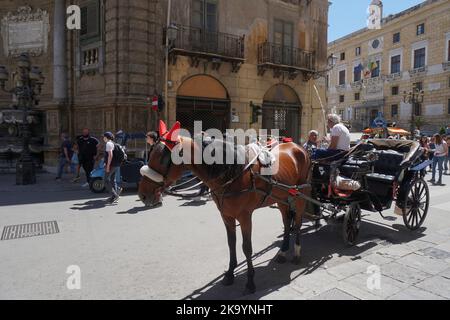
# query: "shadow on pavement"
[[317, 248], [89, 205], [135, 210]]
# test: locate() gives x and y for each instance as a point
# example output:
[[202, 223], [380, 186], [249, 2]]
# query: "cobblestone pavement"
[[179, 251]]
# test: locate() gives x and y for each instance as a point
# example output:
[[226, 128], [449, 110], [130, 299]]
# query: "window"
[[396, 37], [284, 37], [418, 109], [204, 15], [395, 91], [90, 22], [421, 29], [342, 56], [395, 64], [358, 51], [341, 98], [356, 74], [376, 71], [341, 77], [357, 96], [419, 58], [394, 110]]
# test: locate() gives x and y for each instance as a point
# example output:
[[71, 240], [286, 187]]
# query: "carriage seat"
[[388, 162]]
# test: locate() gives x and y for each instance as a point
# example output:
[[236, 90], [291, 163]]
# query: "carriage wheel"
[[352, 223], [416, 204]]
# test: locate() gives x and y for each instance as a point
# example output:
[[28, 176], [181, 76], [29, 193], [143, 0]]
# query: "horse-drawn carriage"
[[372, 177]]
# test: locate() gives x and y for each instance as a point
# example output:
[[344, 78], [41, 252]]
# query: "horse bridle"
[[164, 142]]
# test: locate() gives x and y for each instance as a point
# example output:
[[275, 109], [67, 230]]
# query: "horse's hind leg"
[[246, 227], [300, 208], [230, 225], [287, 222]]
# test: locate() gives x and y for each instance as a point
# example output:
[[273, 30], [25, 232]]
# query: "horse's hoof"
[[228, 280], [280, 259], [297, 261]]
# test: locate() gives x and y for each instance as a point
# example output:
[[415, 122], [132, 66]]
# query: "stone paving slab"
[[314, 283], [334, 294], [414, 293], [348, 269], [424, 263], [404, 273], [436, 285], [388, 286]]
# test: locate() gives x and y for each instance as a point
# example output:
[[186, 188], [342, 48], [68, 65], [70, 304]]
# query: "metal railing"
[[284, 55], [217, 43]]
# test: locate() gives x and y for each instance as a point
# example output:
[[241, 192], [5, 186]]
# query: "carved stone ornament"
[[25, 31]]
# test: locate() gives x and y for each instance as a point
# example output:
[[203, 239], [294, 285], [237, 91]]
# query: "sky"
[[347, 16]]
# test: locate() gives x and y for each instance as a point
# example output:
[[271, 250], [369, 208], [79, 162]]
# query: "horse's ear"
[[162, 128], [174, 132]]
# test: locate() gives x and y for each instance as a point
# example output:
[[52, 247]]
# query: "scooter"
[[129, 173]]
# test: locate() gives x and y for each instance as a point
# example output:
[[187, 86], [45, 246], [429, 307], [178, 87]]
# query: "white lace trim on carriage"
[[148, 172]]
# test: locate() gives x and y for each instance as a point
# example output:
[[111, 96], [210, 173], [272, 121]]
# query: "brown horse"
[[233, 188]]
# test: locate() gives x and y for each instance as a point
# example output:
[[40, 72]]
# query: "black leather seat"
[[388, 162], [381, 177]]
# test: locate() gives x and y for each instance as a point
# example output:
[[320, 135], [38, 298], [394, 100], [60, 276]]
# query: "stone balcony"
[[418, 72], [393, 77]]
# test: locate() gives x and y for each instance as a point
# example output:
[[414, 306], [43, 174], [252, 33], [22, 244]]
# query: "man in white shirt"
[[340, 135], [111, 168], [340, 139]]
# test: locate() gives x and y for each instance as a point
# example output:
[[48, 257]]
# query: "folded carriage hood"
[[411, 148]]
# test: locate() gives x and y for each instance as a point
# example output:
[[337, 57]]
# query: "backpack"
[[119, 155]]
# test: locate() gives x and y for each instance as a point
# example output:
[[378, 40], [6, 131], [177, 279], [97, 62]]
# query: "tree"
[[442, 131], [419, 122]]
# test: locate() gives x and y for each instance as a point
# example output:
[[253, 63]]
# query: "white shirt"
[[109, 146], [343, 133], [441, 149]]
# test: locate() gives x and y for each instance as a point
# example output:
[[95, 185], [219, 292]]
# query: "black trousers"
[[88, 166]]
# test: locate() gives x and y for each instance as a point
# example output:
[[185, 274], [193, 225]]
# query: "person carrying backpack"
[[114, 157]]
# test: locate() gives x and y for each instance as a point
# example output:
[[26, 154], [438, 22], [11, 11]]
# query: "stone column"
[[59, 53]]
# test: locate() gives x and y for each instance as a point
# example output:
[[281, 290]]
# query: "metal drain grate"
[[30, 230]]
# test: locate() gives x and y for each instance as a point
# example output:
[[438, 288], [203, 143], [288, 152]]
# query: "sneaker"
[[119, 191], [110, 200], [432, 181], [85, 185], [115, 199]]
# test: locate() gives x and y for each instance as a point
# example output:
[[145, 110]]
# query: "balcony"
[[418, 72], [284, 59], [357, 85], [393, 77], [214, 47]]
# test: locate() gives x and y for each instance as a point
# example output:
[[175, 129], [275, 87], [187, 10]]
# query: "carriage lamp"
[[172, 32], [27, 87]]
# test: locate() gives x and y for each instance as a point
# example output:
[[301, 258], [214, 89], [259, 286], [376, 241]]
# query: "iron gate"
[[214, 114], [283, 117]]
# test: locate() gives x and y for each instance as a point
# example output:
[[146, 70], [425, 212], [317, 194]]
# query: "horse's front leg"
[[246, 227], [230, 225]]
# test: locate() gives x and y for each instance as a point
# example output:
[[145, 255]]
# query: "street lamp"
[[414, 97], [28, 85], [331, 63]]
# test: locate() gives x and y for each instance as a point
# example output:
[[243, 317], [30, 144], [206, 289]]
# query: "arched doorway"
[[282, 111], [203, 98]]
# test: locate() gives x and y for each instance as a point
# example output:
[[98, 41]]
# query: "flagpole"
[[166, 86]]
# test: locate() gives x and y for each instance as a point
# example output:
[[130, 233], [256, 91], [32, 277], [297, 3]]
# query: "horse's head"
[[160, 172]]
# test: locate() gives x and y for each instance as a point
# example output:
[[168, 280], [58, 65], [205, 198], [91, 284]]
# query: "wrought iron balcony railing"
[[196, 41], [285, 56]]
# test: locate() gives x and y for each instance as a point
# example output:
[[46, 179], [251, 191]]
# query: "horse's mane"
[[225, 171]]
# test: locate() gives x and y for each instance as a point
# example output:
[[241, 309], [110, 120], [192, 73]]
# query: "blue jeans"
[[438, 162], [446, 162], [62, 163], [331, 155], [111, 182]]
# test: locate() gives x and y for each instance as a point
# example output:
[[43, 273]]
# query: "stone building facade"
[[412, 47], [226, 55]]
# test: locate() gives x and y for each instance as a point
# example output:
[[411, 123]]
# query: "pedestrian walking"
[[75, 162], [65, 156], [88, 150], [432, 146], [447, 159], [111, 168], [440, 153]]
